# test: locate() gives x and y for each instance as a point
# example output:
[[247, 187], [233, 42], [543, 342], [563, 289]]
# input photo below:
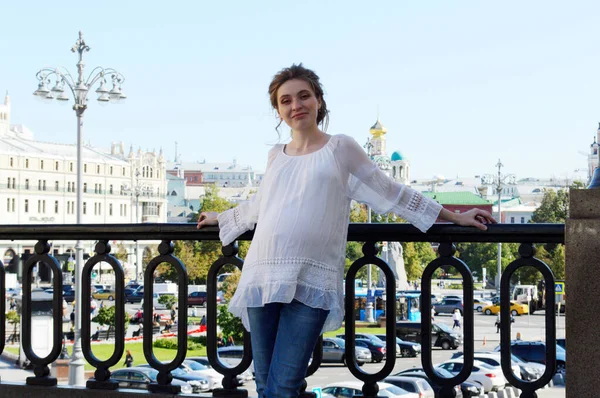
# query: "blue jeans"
[[283, 339]]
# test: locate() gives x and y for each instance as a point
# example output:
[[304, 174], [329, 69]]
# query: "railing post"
[[582, 287], [102, 378], [230, 384], [41, 370], [446, 251], [370, 387]]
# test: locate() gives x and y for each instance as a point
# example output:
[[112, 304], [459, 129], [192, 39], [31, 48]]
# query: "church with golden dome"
[[396, 165]]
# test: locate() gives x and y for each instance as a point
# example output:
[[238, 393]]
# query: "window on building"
[[8, 183], [111, 170], [84, 207], [39, 185], [123, 171], [13, 205], [56, 207], [56, 166], [95, 208], [71, 166], [121, 210], [95, 188], [26, 163], [512, 220], [110, 209], [27, 183], [12, 162], [14, 184], [41, 165], [39, 206], [44, 185], [522, 220], [100, 188], [98, 169], [85, 187], [85, 168], [125, 210], [44, 206], [26, 205], [8, 204], [110, 189], [56, 186], [99, 209]]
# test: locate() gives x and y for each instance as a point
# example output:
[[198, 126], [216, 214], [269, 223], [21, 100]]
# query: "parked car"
[[214, 378], [412, 384], [419, 373], [334, 351], [233, 355], [535, 351], [562, 343], [490, 377], [198, 383], [441, 334], [406, 348], [199, 298], [69, 295], [352, 388], [480, 304], [243, 378], [491, 358], [515, 309], [104, 294], [448, 305], [133, 296], [378, 350], [139, 378], [134, 285]]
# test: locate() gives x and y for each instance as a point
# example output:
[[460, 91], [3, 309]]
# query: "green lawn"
[[104, 351]]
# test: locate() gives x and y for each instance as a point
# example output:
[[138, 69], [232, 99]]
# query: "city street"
[[531, 327]]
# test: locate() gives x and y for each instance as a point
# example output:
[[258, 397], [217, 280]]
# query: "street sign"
[[559, 287], [317, 391]]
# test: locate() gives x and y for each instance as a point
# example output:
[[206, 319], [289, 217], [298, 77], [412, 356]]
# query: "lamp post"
[[498, 182], [136, 191], [79, 88]]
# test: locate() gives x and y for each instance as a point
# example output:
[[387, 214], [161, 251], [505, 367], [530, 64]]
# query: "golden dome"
[[377, 129]]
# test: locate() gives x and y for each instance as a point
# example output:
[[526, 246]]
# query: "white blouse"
[[303, 205]]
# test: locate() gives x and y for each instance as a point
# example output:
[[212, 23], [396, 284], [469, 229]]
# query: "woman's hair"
[[301, 73]]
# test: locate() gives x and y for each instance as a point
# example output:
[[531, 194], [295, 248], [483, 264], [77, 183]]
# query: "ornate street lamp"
[[498, 181], [79, 89]]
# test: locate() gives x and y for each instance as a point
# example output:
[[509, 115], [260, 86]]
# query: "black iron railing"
[[370, 234]]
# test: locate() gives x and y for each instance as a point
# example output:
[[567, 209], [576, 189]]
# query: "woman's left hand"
[[474, 218]]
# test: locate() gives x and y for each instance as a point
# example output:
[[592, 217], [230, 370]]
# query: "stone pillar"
[[582, 289]]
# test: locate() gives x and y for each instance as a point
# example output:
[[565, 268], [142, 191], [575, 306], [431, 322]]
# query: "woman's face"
[[297, 104]]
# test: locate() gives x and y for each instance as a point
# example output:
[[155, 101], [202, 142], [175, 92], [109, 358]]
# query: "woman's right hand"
[[207, 218]]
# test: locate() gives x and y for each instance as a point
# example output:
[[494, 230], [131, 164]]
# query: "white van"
[[155, 303]]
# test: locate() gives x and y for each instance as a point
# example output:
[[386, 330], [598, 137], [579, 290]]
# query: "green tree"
[[13, 318], [485, 255], [229, 324], [168, 300], [555, 205], [417, 255], [121, 253], [106, 316]]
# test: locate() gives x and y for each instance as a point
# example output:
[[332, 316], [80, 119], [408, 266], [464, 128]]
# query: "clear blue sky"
[[457, 84]]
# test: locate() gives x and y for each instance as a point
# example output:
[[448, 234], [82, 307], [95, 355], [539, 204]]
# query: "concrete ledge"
[[20, 390]]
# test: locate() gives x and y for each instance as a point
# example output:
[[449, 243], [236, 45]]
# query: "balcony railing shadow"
[[446, 235]]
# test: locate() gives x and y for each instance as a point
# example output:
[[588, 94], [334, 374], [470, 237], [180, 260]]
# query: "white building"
[[38, 184]]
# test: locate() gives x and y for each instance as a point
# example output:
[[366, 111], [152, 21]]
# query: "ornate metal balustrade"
[[370, 234]]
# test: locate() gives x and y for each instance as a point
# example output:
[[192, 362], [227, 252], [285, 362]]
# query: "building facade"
[[38, 184]]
